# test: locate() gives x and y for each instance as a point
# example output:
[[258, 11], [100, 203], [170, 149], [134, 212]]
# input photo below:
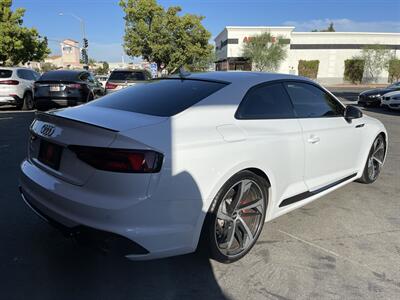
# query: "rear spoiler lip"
[[40, 113]]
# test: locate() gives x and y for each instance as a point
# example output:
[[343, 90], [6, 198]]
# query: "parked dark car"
[[122, 78], [373, 97], [66, 88]]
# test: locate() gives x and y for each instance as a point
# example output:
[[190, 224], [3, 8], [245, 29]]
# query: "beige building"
[[70, 54]]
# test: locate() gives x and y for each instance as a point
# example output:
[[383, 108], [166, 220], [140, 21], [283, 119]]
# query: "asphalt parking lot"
[[344, 246]]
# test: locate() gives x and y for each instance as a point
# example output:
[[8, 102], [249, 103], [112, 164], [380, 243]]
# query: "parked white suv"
[[16, 87]]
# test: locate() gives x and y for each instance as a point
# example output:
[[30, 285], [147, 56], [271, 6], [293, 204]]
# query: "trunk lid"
[[84, 126]]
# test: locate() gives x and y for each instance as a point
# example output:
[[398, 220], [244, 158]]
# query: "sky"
[[105, 24]]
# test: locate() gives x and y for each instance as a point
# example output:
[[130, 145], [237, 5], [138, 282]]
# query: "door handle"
[[360, 125], [313, 139]]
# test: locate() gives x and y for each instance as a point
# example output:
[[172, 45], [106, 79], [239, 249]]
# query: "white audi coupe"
[[156, 169]]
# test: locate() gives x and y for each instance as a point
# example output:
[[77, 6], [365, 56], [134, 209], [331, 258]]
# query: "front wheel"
[[375, 160], [237, 217]]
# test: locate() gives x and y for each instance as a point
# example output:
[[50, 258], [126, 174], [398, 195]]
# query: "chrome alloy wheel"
[[375, 160], [239, 217]]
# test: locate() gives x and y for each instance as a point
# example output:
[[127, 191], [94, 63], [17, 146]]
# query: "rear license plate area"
[[55, 88], [50, 154]]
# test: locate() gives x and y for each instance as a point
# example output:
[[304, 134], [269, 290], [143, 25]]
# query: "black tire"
[[374, 161], [27, 102], [90, 97], [217, 231]]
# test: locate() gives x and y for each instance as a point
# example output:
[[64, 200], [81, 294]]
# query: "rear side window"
[[124, 76], [312, 102], [162, 98], [5, 73], [266, 102], [26, 74], [22, 74]]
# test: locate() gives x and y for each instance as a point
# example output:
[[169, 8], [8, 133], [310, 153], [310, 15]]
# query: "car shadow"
[[381, 110], [37, 262], [51, 267]]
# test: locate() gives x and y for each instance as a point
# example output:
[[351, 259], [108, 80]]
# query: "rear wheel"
[[375, 160], [90, 97], [237, 217], [27, 102]]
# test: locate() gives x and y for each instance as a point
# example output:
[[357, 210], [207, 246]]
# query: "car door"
[[26, 83], [274, 136], [332, 144]]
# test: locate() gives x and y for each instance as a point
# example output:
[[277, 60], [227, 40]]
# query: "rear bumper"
[[72, 101], [107, 241], [161, 227], [10, 100]]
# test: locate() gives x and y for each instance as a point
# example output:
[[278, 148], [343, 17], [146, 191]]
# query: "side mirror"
[[351, 112]]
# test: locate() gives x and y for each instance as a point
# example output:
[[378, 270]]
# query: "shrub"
[[354, 70], [308, 68], [394, 70]]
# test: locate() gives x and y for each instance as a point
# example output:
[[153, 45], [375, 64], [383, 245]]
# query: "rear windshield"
[[5, 73], [162, 98], [127, 75], [60, 75]]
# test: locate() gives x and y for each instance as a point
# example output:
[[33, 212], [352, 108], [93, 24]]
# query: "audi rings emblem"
[[47, 130]]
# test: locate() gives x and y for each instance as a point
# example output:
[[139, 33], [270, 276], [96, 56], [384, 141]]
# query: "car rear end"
[[120, 79], [104, 169], [60, 88], [76, 180], [11, 92]]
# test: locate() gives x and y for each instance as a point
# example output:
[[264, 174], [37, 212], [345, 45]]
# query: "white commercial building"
[[330, 48]]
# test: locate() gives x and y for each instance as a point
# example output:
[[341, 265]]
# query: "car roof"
[[70, 72], [128, 70], [246, 78]]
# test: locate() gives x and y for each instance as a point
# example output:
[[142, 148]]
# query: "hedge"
[[308, 68], [394, 70], [354, 70]]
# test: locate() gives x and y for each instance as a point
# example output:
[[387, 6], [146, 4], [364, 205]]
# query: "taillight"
[[119, 160], [9, 82], [111, 86], [74, 86]]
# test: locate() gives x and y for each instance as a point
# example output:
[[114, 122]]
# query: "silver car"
[[16, 87]]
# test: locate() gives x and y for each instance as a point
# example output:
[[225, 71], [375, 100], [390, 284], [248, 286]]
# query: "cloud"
[[346, 25]]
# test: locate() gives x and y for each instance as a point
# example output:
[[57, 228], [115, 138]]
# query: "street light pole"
[[84, 40]]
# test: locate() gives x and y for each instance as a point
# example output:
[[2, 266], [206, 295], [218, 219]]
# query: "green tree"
[[265, 52], [376, 58], [354, 70], [47, 67], [19, 44], [394, 70], [330, 28], [164, 36], [103, 69], [308, 68]]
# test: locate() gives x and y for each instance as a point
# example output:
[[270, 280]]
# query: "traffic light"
[[85, 43], [85, 56]]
